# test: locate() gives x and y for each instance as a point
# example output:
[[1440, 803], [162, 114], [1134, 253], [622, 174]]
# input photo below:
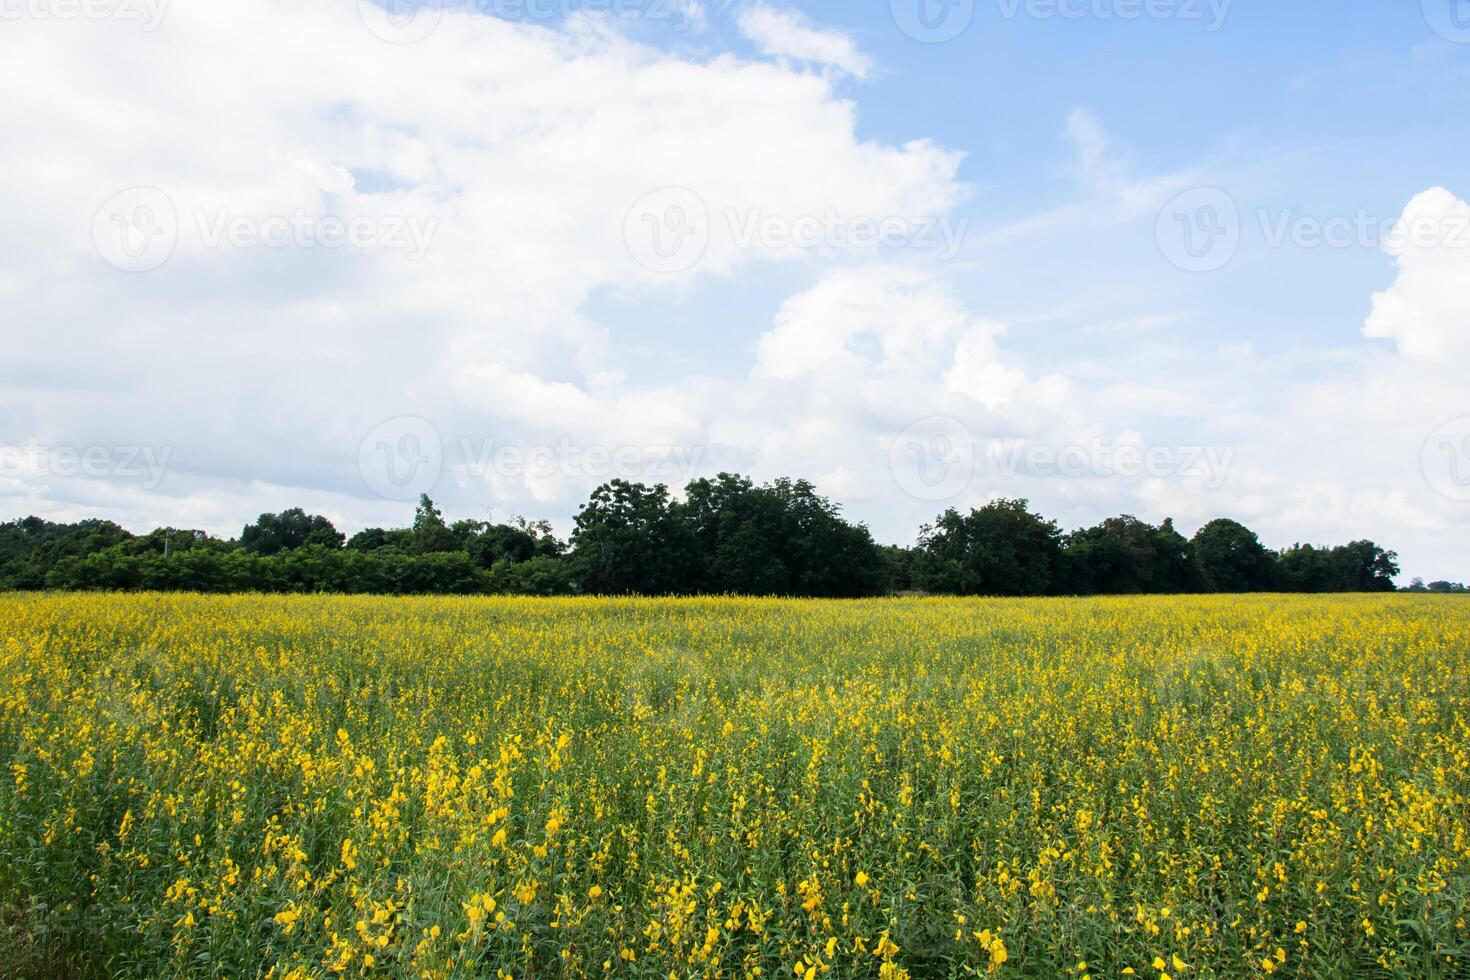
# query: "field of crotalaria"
[[310, 787]]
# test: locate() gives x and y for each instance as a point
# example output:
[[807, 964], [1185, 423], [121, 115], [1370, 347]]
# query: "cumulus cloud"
[[1426, 312], [901, 312], [1377, 444], [522, 156], [858, 372], [513, 153]]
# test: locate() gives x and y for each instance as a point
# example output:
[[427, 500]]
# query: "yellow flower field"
[[309, 787]]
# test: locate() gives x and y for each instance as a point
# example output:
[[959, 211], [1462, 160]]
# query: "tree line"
[[725, 535]]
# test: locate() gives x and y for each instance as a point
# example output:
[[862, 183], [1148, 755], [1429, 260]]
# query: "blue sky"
[[1308, 108], [356, 248]]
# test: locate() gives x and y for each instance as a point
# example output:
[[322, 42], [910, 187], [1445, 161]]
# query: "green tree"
[[1232, 559], [627, 540], [999, 549], [518, 541], [828, 556], [1126, 556], [1176, 572], [1304, 568], [1362, 566], [739, 532], [290, 529], [781, 538], [900, 562], [430, 534], [31, 547], [368, 539], [542, 575]]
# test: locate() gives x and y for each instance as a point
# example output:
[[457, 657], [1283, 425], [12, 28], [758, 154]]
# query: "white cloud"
[[261, 370], [1350, 453], [1426, 312], [978, 371], [790, 34], [1095, 164], [1105, 170], [852, 363], [1324, 443], [525, 146], [899, 312]]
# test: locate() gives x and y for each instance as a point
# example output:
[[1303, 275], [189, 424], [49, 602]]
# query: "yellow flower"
[[286, 918], [709, 732]]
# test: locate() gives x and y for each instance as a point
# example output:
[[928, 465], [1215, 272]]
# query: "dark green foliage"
[[737, 532], [373, 538], [629, 541], [1000, 549], [1126, 556], [313, 568], [30, 547], [727, 535], [780, 539], [1232, 559], [1365, 567], [1303, 568], [517, 542], [290, 529], [825, 555], [542, 575], [430, 534], [900, 567], [1361, 566]]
